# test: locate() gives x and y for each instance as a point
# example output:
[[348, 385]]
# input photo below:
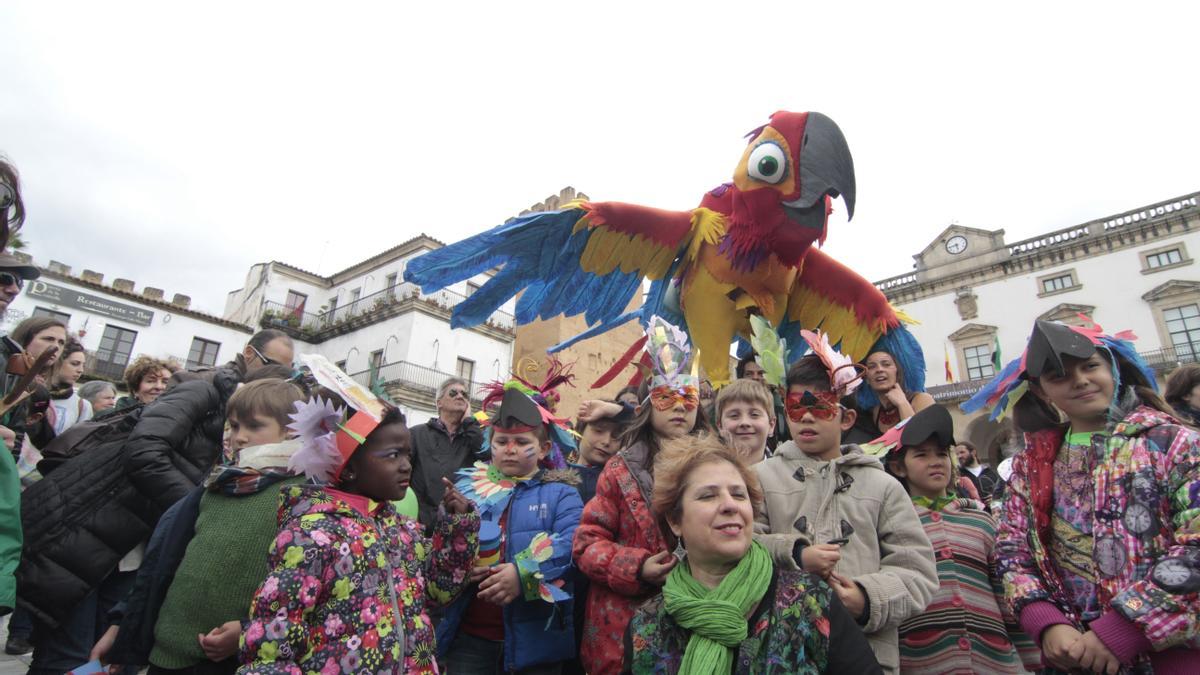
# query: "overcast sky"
[[179, 146]]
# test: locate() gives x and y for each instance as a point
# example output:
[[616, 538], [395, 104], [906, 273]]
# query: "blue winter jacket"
[[535, 631]]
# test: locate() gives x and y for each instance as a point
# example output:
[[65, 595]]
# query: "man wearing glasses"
[[443, 445], [267, 347]]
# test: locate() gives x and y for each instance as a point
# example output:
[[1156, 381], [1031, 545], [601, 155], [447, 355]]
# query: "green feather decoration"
[[771, 351]]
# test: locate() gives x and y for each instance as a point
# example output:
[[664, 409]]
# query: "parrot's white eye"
[[767, 163]]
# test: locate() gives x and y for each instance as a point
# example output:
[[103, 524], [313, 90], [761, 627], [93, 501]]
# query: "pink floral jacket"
[[343, 570]]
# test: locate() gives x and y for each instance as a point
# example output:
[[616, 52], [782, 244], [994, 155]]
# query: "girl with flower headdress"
[[1099, 542], [621, 546], [350, 578]]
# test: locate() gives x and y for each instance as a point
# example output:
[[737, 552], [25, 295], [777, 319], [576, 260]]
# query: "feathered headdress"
[[520, 403], [909, 357], [1047, 344], [844, 374], [329, 436], [770, 351]]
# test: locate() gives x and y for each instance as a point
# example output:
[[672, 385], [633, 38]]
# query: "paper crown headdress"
[[329, 436], [518, 405], [670, 355], [665, 354], [1048, 345]]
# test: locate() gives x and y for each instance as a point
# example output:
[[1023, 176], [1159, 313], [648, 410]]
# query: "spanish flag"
[[949, 373]]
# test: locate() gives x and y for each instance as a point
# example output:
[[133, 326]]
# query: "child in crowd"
[[350, 578], [1099, 542], [518, 618], [226, 526], [745, 419], [962, 630], [599, 425], [829, 505], [620, 545]]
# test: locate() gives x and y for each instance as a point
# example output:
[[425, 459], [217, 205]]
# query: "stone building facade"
[[976, 294]]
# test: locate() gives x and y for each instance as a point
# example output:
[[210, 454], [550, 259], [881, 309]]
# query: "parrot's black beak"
[[826, 168]]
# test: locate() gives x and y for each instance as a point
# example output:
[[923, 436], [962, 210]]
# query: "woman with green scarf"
[[727, 608]]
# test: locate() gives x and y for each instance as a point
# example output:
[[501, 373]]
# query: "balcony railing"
[[417, 379], [1161, 360], [281, 316]]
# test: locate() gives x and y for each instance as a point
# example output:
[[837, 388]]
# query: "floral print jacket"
[[343, 569], [799, 627], [1146, 539]]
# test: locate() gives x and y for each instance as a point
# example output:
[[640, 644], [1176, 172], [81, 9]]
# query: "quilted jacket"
[[617, 534], [535, 631], [349, 585], [1146, 512]]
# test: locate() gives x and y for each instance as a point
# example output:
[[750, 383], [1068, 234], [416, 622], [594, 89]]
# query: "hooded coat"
[[350, 580], [616, 535], [535, 631], [1145, 511], [888, 554]]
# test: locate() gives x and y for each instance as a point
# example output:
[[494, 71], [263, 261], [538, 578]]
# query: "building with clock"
[[977, 295]]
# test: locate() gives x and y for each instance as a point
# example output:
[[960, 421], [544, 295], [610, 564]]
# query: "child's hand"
[[849, 593], [222, 641], [453, 500], [502, 586], [820, 559], [1057, 641], [479, 573], [1093, 656], [104, 645], [657, 567], [590, 411]]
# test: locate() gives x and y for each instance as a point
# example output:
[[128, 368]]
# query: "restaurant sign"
[[66, 297]]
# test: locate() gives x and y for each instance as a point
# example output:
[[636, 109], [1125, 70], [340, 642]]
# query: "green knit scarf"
[[716, 617]]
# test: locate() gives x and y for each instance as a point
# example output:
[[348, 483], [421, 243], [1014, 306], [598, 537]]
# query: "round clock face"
[[1139, 519], [1110, 556], [956, 244], [1174, 576]]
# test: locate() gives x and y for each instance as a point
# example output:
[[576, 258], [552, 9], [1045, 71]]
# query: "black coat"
[[83, 517], [435, 455]]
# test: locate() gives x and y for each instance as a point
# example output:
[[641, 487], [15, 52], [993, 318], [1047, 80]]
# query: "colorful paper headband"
[[844, 374], [328, 438], [1049, 342], [518, 405]]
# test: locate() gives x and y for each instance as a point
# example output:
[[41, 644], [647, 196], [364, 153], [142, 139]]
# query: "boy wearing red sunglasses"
[[835, 512]]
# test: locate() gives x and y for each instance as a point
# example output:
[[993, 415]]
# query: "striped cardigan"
[[962, 630]]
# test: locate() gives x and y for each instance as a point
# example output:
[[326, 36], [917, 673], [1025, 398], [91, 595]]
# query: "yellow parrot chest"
[[767, 285]]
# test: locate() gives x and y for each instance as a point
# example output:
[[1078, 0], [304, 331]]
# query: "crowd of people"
[[257, 517]]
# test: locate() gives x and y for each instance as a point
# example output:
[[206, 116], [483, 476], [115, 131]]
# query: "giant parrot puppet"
[[747, 249]]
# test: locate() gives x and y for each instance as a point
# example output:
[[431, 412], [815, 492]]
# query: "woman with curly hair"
[[147, 378]]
